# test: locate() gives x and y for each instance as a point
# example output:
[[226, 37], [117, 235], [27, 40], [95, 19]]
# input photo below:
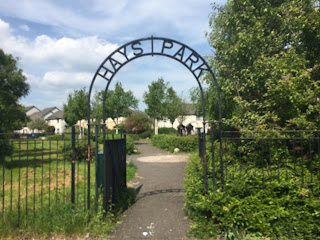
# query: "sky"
[[60, 44]]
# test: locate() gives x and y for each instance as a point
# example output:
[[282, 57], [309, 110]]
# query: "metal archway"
[[154, 46]]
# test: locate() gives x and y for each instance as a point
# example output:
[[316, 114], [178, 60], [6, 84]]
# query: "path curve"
[[158, 212]]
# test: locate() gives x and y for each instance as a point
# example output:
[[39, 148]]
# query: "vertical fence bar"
[[3, 180], [27, 173], [11, 177], [318, 153], [270, 160], [286, 157], [97, 170], [212, 154], [64, 171], [73, 166], [49, 173], [262, 160], [311, 168], [221, 157], [294, 157], [88, 179], [57, 159], [34, 180], [42, 150], [302, 163], [19, 187], [278, 159]]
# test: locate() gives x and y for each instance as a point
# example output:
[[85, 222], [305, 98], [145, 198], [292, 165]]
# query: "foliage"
[[137, 122], [38, 123], [76, 107], [253, 203], [118, 104], [13, 86], [167, 131], [67, 219], [169, 142], [266, 60], [155, 99], [173, 105], [49, 130], [81, 150]]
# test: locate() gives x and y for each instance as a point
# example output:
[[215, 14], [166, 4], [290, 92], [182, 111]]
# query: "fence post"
[[212, 154], [97, 169], [73, 165]]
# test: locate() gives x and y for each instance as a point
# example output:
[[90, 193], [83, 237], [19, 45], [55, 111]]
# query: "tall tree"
[[173, 105], [267, 58], [76, 108], [13, 86], [119, 103], [155, 99]]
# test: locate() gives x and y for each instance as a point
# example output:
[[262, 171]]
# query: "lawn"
[[35, 183]]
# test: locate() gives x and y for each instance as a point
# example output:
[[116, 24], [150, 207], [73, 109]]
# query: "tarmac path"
[[158, 212]]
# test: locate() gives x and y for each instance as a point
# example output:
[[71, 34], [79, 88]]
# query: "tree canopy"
[[37, 123], [119, 103], [13, 86], [76, 107], [266, 58]]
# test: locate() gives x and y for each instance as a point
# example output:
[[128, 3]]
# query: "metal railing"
[[268, 156]]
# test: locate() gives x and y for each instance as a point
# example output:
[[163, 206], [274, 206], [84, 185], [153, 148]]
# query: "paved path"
[[158, 212]]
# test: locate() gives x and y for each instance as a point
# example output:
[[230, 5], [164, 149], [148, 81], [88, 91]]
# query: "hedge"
[[249, 207], [169, 142]]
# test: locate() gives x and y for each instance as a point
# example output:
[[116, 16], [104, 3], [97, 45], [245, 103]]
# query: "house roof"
[[42, 113], [56, 115], [30, 107]]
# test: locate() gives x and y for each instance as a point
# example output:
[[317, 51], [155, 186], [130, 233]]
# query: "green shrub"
[[146, 134], [169, 142], [251, 206], [81, 150], [130, 145], [168, 131]]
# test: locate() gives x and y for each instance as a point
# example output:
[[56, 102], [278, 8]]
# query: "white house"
[[189, 118], [52, 115]]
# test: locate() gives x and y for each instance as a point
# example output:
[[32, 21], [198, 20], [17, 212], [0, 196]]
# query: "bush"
[[170, 142], [250, 206], [168, 131], [146, 134], [137, 122], [81, 150]]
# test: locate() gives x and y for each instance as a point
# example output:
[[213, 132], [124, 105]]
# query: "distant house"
[[190, 118], [57, 121], [52, 115]]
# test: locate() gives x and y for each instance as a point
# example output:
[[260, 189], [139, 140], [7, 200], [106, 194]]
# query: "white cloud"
[[24, 27]]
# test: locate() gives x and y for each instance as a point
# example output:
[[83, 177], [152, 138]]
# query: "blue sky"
[[61, 43]]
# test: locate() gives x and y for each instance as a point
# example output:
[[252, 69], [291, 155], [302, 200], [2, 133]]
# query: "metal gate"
[[114, 179]]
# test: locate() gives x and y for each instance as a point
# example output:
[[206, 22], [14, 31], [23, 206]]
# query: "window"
[[58, 130]]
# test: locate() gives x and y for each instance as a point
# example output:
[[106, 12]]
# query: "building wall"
[[196, 122], [58, 124]]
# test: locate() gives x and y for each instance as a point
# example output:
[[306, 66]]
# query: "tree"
[[118, 104], [13, 86], [76, 108], [138, 122], [38, 123], [173, 105], [267, 61]]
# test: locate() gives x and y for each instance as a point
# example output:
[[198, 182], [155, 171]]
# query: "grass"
[[35, 187]]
